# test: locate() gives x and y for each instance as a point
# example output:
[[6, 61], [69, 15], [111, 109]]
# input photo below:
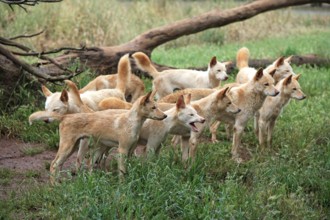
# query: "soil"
[[24, 169]]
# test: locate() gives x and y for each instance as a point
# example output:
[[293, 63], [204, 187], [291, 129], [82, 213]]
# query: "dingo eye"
[[229, 103], [154, 107], [191, 114], [266, 84], [55, 110], [294, 89]]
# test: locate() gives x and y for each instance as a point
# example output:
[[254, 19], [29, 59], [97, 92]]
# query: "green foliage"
[[289, 181]]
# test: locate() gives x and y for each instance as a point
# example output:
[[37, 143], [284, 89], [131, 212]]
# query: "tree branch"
[[26, 36]]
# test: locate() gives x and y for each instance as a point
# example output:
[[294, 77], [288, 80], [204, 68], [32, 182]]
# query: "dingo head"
[[186, 114], [218, 69], [147, 107], [291, 87], [283, 68], [56, 102], [224, 101], [265, 83]]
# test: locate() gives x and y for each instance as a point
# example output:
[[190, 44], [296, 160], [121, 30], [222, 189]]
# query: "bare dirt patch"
[[20, 170]]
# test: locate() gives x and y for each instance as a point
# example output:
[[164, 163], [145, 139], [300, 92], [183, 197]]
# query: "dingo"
[[249, 97], [121, 129], [212, 107], [134, 86], [55, 102], [282, 67], [167, 81], [273, 106], [181, 119]]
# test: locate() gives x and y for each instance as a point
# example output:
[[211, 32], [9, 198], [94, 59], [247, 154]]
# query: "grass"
[[289, 181], [31, 151], [5, 176]]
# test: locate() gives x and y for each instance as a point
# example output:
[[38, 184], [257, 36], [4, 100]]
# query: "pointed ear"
[[152, 95], [258, 74], [188, 99], [64, 96], [289, 59], [296, 77], [213, 61], [46, 91], [279, 62], [180, 102], [145, 99], [287, 80], [272, 72], [222, 93], [227, 63]]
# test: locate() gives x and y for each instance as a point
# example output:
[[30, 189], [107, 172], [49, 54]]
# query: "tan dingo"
[[249, 97], [121, 129], [273, 106], [55, 102], [282, 67], [167, 81]]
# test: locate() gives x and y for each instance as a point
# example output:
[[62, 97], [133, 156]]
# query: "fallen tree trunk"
[[103, 60]]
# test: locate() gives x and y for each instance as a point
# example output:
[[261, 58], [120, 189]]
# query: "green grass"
[[31, 151], [289, 181]]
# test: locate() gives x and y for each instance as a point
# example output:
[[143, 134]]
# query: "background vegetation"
[[289, 181]]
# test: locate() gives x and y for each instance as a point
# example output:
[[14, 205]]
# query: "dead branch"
[[27, 35]]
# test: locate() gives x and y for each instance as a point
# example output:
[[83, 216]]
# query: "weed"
[[31, 151], [5, 176]]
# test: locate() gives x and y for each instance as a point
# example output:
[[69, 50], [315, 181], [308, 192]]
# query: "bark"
[[104, 60]]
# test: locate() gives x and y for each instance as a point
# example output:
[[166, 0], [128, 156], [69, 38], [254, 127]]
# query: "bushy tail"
[[124, 73], [143, 62], [242, 58], [114, 103], [45, 116], [75, 95]]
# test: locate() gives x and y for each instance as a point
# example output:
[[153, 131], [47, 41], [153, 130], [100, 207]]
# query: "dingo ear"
[[296, 77], [258, 74], [227, 63], [64, 96], [145, 99], [180, 102], [46, 91], [222, 93], [152, 95], [279, 61], [288, 59], [213, 61], [287, 80], [188, 98], [272, 72]]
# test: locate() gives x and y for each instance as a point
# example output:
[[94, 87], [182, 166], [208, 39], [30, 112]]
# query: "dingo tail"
[[124, 73], [143, 62], [242, 58], [45, 116]]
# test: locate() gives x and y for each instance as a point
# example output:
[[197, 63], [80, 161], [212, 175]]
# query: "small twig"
[[22, 3], [27, 36], [34, 71]]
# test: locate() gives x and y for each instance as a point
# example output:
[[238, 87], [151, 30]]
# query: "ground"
[[17, 168]]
